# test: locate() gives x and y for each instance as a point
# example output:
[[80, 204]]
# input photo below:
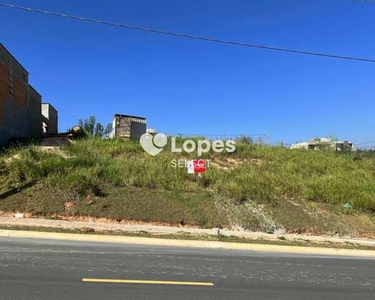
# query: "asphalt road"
[[43, 269]]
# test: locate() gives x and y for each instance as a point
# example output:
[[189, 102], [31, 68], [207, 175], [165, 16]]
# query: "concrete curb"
[[162, 230], [185, 243]]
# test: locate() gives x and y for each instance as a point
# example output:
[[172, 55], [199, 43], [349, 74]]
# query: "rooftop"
[[46, 103], [30, 86], [130, 116], [15, 59]]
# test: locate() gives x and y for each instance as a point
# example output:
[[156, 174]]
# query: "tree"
[[108, 130], [99, 130], [93, 128]]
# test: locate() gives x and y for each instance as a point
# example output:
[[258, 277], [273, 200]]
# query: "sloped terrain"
[[256, 188]]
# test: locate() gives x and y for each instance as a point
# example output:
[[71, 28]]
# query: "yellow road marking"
[[98, 280]]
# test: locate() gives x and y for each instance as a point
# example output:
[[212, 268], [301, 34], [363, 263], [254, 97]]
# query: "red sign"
[[196, 166]]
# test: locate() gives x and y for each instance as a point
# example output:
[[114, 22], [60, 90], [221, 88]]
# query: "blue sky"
[[187, 86]]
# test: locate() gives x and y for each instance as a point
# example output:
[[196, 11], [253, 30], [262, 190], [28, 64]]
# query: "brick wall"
[[4, 88], [14, 118]]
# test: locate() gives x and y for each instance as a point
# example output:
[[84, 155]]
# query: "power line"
[[365, 1], [365, 143], [188, 36]]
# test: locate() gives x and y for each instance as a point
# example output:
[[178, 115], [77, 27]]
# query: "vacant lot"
[[257, 187]]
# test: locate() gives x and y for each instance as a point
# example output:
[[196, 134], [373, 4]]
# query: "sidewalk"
[[164, 230]]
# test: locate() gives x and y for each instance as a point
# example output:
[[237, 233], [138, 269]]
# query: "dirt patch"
[[257, 161], [55, 150], [232, 163], [11, 214], [68, 205], [96, 220], [10, 159]]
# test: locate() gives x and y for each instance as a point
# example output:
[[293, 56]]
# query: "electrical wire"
[[188, 36], [365, 143], [365, 1]]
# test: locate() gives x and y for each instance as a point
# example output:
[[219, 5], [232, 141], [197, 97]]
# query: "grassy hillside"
[[257, 187]]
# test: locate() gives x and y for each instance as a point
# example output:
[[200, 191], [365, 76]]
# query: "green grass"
[[266, 177], [121, 203]]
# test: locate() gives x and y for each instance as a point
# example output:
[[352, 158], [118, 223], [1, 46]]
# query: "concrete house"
[[49, 119], [20, 103], [130, 127], [319, 143]]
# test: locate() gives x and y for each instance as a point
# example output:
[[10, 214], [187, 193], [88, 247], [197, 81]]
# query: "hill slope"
[[256, 188]]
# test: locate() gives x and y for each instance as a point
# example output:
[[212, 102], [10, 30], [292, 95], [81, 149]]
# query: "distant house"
[[321, 143], [129, 127]]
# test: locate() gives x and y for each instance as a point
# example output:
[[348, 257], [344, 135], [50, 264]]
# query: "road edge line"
[[185, 243]]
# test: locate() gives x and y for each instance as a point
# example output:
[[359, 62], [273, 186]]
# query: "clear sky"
[[187, 86]]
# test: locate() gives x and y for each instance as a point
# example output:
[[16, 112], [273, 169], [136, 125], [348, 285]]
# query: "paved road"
[[42, 269]]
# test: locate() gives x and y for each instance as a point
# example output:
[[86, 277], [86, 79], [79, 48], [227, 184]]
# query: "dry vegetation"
[[257, 187]]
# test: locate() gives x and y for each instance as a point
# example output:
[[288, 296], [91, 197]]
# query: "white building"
[[321, 143]]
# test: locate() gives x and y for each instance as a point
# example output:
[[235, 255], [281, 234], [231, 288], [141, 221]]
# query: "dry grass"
[[257, 187]]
